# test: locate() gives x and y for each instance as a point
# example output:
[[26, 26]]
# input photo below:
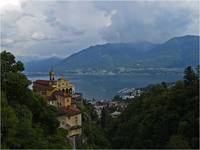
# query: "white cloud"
[[46, 28], [10, 5], [38, 36], [152, 21]]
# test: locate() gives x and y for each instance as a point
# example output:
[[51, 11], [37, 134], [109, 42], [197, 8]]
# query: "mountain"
[[177, 52], [42, 65], [107, 56]]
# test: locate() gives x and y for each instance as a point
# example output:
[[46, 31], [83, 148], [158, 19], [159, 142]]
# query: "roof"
[[51, 98], [69, 111], [43, 84], [75, 127], [69, 127], [116, 113]]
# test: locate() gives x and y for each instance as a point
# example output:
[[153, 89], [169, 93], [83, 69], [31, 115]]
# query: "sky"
[[46, 28]]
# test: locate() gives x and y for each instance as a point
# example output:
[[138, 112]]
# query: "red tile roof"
[[43, 84], [69, 111]]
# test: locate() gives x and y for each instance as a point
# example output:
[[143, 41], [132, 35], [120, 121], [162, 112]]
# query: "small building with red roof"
[[60, 93]]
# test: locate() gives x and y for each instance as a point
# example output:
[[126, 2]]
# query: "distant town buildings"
[[117, 106], [61, 94], [129, 93]]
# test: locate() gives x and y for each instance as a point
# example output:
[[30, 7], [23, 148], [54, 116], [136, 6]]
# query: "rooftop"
[[69, 111]]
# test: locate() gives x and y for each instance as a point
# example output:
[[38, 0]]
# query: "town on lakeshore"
[[61, 94]]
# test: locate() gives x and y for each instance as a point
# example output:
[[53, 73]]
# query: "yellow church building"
[[59, 93]]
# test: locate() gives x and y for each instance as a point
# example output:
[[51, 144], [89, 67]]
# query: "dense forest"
[[162, 117], [26, 120]]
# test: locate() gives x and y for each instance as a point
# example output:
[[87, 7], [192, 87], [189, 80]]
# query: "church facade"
[[60, 93]]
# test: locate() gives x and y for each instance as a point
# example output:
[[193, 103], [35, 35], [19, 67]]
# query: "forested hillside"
[[162, 117], [26, 121], [178, 52]]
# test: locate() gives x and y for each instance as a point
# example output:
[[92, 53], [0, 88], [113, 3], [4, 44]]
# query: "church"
[[60, 93]]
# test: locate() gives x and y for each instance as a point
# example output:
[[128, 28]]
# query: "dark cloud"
[[150, 21], [46, 28]]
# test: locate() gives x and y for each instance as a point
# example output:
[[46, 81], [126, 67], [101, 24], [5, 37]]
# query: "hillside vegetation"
[[175, 53], [162, 117], [26, 121]]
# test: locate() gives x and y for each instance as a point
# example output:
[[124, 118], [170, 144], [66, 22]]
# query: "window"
[[63, 122], [70, 91], [76, 120]]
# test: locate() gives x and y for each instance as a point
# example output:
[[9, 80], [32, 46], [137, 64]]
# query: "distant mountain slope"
[[43, 65], [176, 52], [106, 56]]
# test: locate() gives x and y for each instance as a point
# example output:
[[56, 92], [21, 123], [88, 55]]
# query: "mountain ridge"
[[176, 52]]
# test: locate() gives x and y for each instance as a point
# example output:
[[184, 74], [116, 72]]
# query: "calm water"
[[106, 86]]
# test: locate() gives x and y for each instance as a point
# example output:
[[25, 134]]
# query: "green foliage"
[[162, 117], [105, 118], [95, 137], [27, 122], [8, 63], [123, 57], [9, 121], [93, 134], [178, 142]]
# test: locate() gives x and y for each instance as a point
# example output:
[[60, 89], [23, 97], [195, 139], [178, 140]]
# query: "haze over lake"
[[105, 87]]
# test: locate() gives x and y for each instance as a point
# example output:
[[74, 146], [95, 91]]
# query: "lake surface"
[[104, 87]]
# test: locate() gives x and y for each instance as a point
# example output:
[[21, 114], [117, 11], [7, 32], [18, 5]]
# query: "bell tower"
[[52, 75]]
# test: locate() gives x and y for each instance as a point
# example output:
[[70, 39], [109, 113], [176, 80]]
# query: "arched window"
[[70, 91]]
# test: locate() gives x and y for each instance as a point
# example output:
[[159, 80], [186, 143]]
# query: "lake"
[[105, 87]]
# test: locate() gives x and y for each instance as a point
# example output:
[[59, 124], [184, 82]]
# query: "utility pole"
[[74, 142]]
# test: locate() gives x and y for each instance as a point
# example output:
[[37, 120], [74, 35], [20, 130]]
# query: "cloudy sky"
[[45, 28]]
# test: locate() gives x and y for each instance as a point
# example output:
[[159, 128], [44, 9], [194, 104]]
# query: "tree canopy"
[[162, 117], [27, 122]]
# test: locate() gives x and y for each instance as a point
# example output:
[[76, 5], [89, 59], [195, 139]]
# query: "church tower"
[[52, 75]]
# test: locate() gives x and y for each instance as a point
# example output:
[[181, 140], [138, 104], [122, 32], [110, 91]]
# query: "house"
[[60, 93], [115, 114]]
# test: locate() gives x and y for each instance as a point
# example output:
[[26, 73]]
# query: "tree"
[[178, 142], [189, 76], [27, 122], [9, 123], [160, 117]]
